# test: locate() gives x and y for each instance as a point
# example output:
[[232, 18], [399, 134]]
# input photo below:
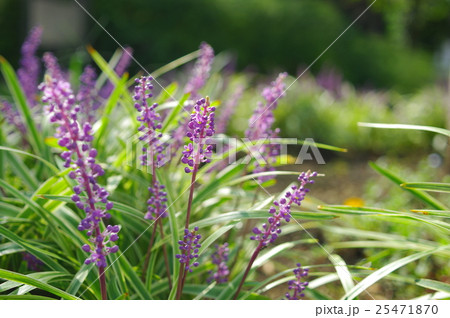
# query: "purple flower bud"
[[93, 153], [114, 249]]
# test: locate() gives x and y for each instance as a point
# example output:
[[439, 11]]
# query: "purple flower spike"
[[282, 210], [52, 66], [33, 263], [220, 258], [297, 286], [87, 94], [189, 248], [150, 122], [121, 67], [12, 116], [228, 110], [28, 73], [201, 71], [61, 107], [200, 129], [157, 205], [260, 125], [331, 81]]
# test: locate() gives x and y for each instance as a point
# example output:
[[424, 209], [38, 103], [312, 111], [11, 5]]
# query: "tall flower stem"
[[183, 278], [91, 200], [281, 210], [191, 194], [151, 126], [247, 270], [189, 248], [60, 105], [101, 274], [149, 252], [201, 127], [182, 275], [166, 258]]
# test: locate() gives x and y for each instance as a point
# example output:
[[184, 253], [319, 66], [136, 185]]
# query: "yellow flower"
[[354, 202]]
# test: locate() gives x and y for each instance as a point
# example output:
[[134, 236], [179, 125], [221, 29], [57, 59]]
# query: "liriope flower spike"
[[220, 258], [297, 286], [60, 105], [28, 73], [260, 126], [281, 209], [200, 129], [201, 71]]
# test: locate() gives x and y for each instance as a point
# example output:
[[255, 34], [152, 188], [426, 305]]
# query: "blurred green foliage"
[[391, 46], [310, 111], [283, 34]]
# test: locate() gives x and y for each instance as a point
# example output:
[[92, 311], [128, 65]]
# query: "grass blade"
[[434, 285], [437, 130], [47, 163], [428, 186], [386, 270], [21, 102], [78, 279], [344, 274], [418, 194], [22, 171], [44, 256], [16, 277]]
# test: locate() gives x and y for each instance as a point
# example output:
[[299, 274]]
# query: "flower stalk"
[[280, 210], [200, 129], [80, 156], [153, 156]]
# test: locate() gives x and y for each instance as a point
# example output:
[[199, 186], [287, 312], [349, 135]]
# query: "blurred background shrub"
[[395, 44]]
